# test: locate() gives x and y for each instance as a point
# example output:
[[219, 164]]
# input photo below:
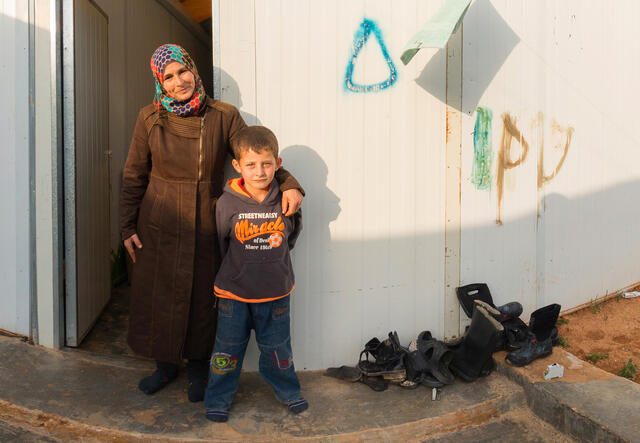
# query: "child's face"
[[257, 169]]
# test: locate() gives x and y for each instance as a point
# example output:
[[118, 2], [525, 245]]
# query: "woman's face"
[[179, 82]]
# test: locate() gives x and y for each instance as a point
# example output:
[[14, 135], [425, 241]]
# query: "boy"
[[255, 278]]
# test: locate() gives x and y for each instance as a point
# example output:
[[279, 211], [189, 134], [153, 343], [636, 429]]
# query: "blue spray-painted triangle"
[[359, 40]]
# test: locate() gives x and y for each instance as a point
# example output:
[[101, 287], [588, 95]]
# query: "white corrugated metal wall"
[[565, 73], [557, 75], [14, 163], [370, 258]]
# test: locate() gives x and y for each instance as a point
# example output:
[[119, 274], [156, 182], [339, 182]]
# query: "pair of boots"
[[525, 343], [472, 356], [165, 373]]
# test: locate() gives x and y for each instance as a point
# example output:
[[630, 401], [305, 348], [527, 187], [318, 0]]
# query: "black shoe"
[[346, 373], [388, 355], [468, 294], [472, 357], [540, 337], [508, 316], [509, 311], [163, 375], [417, 368], [197, 372], [437, 355], [533, 350], [516, 334], [502, 313]]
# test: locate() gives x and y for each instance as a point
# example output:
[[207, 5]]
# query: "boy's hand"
[[291, 201], [129, 243]]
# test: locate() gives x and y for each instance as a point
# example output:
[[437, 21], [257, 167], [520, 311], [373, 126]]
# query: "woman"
[[171, 180]]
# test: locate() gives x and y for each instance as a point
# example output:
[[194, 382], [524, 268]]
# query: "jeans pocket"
[[280, 309], [225, 307]]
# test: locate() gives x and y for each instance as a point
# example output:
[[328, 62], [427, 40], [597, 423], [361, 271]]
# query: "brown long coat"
[[171, 180]]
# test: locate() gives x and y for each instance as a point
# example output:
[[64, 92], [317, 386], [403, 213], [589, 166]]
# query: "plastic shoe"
[[469, 293], [417, 369], [516, 334], [509, 311], [533, 350], [437, 357], [388, 357], [541, 335], [346, 373], [474, 355]]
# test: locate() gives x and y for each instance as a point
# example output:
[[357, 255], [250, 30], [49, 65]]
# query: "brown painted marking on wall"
[[538, 124], [509, 132], [557, 132]]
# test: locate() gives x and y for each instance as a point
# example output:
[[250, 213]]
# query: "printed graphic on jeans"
[[222, 363], [282, 362]]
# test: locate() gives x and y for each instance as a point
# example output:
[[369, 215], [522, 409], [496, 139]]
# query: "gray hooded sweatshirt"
[[255, 239]]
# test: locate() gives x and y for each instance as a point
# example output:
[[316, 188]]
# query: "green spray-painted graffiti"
[[482, 150]]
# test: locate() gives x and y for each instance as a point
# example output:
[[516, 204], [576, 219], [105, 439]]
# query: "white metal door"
[[86, 112]]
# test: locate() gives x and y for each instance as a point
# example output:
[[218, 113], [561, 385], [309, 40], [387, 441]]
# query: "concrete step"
[[587, 402], [75, 396], [10, 433], [519, 425]]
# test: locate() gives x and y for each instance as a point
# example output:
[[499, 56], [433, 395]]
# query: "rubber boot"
[[472, 357], [544, 320], [540, 342], [501, 339]]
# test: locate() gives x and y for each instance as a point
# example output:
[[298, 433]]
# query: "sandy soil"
[[611, 328]]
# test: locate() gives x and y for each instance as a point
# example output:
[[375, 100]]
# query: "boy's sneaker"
[[298, 406], [217, 416]]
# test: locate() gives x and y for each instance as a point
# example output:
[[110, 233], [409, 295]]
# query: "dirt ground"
[[608, 332]]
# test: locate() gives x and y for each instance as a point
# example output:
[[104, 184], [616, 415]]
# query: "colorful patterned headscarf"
[[162, 56]]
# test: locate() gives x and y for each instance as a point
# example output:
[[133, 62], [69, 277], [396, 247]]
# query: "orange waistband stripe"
[[230, 295]]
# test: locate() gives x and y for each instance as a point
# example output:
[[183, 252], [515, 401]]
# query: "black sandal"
[[437, 356], [388, 359], [346, 373]]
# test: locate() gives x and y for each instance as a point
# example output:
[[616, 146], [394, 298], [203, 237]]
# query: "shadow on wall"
[[351, 290], [488, 55], [585, 246]]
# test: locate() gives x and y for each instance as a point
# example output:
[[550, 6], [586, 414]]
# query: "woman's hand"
[[291, 201], [129, 243]]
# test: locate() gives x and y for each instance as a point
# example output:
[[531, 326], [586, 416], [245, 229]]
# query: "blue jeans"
[[270, 320]]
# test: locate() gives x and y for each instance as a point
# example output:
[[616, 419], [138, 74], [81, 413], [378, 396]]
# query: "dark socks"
[[163, 375], [217, 416], [197, 372], [298, 406]]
